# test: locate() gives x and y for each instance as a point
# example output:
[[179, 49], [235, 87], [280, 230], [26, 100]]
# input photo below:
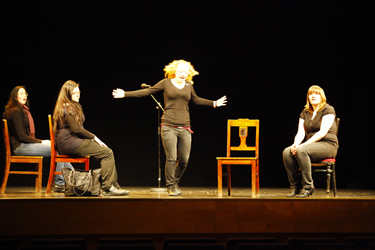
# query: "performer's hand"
[[293, 149], [221, 102], [97, 140], [118, 93]]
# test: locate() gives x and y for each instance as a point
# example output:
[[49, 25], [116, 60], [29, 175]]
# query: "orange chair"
[[9, 158], [328, 166], [243, 125], [60, 158]]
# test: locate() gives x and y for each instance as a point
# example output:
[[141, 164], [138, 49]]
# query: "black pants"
[[314, 152], [107, 161], [177, 145]]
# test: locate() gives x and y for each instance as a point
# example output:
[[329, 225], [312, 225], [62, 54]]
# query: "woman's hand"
[[118, 93], [221, 102], [97, 140], [293, 149]]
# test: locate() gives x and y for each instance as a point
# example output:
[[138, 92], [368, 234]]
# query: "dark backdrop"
[[263, 55]]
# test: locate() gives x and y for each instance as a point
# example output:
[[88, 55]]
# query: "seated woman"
[[22, 132], [315, 141], [73, 140]]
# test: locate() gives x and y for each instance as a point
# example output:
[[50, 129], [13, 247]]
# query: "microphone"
[[145, 86]]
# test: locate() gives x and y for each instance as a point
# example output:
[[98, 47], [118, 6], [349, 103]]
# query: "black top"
[[176, 101], [18, 125], [69, 135], [312, 126]]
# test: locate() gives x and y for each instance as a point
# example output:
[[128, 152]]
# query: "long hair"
[[317, 90], [170, 70], [13, 100], [65, 101]]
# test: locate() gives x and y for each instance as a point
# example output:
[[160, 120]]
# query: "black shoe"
[[58, 188], [172, 190], [306, 193], [178, 190], [293, 192]]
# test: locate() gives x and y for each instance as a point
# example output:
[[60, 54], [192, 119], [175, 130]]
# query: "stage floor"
[[198, 212], [194, 193]]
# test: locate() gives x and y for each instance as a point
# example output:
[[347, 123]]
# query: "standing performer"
[[175, 122], [22, 133], [73, 140], [315, 141]]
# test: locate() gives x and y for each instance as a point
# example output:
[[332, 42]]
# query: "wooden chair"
[[9, 158], [60, 158], [328, 166], [243, 125]]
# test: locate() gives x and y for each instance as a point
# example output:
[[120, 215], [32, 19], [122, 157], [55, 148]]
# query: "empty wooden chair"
[[243, 125], [60, 158], [9, 158]]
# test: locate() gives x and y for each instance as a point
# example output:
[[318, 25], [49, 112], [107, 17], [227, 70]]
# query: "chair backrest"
[[338, 125], [243, 125], [8, 151], [51, 136]]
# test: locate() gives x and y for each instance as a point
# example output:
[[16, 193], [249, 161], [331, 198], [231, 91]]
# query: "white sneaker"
[[113, 191]]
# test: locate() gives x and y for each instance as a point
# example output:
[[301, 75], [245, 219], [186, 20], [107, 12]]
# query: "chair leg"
[[87, 165], [229, 180], [51, 176], [219, 179], [5, 179], [38, 179], [334, 179], [328, 178], [254, 179]]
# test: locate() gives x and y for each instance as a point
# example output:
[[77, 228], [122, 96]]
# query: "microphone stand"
[[159, 189]]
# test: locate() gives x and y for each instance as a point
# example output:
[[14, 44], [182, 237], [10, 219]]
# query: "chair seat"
[[236, 158], [329, 160], [66, 156]]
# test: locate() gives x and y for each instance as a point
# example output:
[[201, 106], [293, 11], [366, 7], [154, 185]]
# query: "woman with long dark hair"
[[22, 132], [74, 140]]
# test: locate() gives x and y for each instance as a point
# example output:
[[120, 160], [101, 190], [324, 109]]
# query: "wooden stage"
[[197, 212]]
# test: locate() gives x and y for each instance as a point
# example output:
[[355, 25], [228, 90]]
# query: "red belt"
[[187, 128]]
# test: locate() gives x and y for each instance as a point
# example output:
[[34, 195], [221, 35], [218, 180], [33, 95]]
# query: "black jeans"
[[177, 145], [107, 161], [314, 152]]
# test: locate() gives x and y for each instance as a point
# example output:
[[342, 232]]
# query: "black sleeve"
[[16, 117], [146, 92], [198, 100], [75, 128]]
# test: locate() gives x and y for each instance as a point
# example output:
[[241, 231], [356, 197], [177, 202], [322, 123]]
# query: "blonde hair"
[[170, 70], [317, 90]]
